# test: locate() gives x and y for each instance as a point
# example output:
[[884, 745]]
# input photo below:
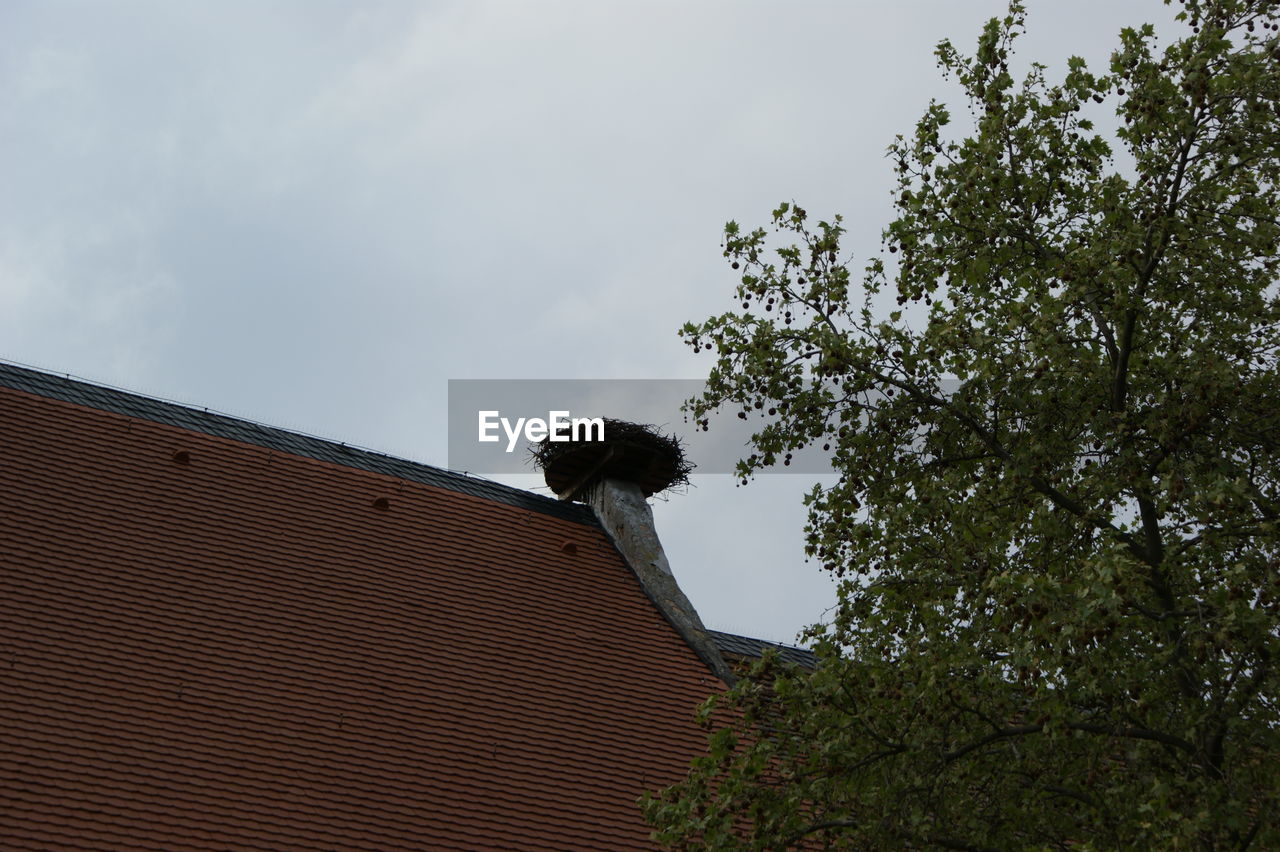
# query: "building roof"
[[224, 636], [743, 647], [209, 422]]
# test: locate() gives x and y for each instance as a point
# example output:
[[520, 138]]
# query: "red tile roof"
[[243, 648]]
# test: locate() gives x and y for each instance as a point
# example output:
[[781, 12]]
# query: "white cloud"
[[315, 213]]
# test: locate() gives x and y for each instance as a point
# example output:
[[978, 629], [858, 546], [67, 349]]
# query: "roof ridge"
[[750, 646], [104, 397]]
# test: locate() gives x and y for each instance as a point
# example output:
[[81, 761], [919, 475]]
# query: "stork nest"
[[630, 451]]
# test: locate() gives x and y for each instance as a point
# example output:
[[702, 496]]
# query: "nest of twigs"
[[630, 451]]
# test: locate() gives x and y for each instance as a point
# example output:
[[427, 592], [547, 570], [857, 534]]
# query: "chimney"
[[615, 476]]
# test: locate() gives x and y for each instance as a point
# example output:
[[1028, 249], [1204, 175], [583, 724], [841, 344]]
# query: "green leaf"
[[1055, 521]]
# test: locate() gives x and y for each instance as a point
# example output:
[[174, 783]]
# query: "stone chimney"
[[615, 477], [627, 517]]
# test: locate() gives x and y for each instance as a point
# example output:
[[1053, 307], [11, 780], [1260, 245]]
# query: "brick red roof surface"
[[237, 649]]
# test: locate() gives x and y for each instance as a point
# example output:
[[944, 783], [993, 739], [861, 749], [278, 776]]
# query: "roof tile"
[[243, 652]]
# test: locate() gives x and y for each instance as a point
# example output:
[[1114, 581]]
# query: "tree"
[[1056, 512]]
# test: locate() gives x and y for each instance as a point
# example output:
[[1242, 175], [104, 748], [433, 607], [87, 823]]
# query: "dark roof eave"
[[91, 395], [745, 646]]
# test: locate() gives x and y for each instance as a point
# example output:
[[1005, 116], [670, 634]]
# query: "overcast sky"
[[315, 213]]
